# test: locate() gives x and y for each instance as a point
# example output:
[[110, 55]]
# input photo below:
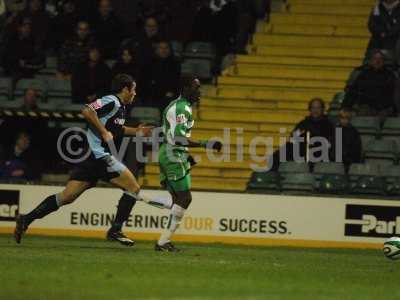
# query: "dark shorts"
[[92, 170]]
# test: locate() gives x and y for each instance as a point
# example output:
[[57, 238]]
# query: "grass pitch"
[[72, 268]]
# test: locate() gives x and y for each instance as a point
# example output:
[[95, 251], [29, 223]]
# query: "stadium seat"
[[198, 67], [49, 106], [392, 179], [297, 182], [148, 115], [200, 50], [368, 185], [37, 84], [337, 101], [366, 140], [330, 178], [332, 184], [365, 169], [13, 104], [382, 149], [5, 88], [293, 167], [391, 127], [177, 48], [366, 125], [51, 62], [264, 181], [331, 168], [51, 66], [58, 88], [366, 179]]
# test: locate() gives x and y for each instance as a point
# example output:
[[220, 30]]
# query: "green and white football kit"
[[177, 123]]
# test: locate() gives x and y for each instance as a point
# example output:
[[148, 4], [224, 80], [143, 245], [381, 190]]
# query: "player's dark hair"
[[120, 82], [185, 83], [319, 100]]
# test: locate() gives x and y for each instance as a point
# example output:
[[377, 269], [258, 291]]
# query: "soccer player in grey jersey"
[[106, 118]]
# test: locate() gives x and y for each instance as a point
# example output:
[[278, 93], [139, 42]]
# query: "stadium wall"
[[217, 217]]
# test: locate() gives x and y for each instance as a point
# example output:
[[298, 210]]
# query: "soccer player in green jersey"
[[174, 159]]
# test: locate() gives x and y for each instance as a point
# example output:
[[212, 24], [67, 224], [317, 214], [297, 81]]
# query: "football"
[[391, 248]]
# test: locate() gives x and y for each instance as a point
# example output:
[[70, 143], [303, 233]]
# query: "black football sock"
[[125, 206], [48, 206]]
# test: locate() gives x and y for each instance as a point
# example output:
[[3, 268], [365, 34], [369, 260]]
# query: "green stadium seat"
[[60, 103], [177, 48], [368, 185], [293, 167], [49, 106], [51, 62], [37, 84], [58, 88], [148, 115], [13, 104], [267, 181], [337, 101], [392, 180], [357, 170], [366, 140], [382, 163], [297, 182], [331, 168], [76, 107], [5, 88], [332, 184], [200, 50], [391, 127], [3, 99], [366, 179], [366, 125], [201, 68], [330, 177], [382, 149], [51, 66]]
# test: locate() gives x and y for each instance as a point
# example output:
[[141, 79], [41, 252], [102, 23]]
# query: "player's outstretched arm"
[[211, 144], [141, 130], [92, 118]]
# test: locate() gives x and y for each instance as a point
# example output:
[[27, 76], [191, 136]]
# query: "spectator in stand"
[[384, 25], [20, 162], [203, 23], [316, 125], [248, 15], [75, 51], [22, 57], [107, 29], [91, 79], [64, 23], [165, 72], [40, 21], [147, 40], [30, 100], [13, 8], [371, 93], [217, 22], [126, 64], [351, 146], [226, 25]]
